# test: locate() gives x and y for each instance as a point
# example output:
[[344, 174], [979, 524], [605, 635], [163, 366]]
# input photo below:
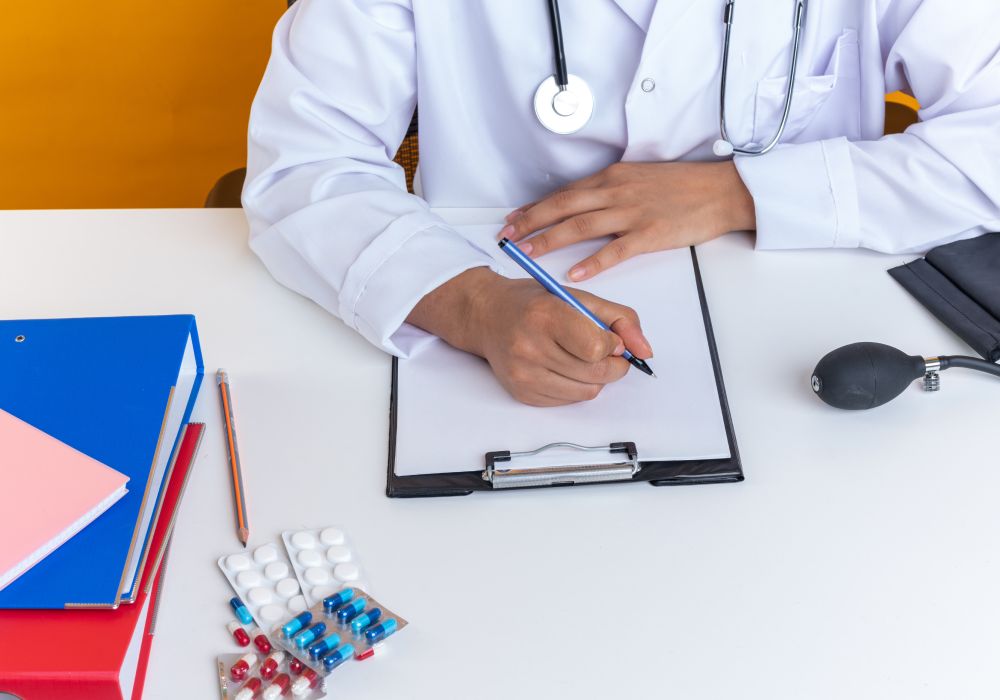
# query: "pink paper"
[[48, 492]]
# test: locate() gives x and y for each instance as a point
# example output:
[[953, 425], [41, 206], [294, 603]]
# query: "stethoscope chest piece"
[[564, 110]]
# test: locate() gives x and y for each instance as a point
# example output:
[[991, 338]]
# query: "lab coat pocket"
[[823, 106]]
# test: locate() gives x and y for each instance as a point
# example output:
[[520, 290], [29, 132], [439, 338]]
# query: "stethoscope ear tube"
[[724, 146], [555, 23]]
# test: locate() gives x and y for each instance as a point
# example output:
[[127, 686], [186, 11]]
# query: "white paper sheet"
[[452, 410]]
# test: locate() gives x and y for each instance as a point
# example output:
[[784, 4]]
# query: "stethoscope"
[[564, 102]]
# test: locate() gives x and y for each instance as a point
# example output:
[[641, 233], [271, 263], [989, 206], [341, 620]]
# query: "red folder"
[[92, 654]]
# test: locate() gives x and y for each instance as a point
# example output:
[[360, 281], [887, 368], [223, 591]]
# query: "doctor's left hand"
[[646, 206]]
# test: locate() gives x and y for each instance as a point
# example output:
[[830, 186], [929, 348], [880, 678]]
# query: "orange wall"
[[126, 103]]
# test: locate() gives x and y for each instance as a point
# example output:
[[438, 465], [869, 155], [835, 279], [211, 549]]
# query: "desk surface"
[[858, 559]]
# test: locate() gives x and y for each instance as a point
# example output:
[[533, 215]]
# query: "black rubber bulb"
[[864, 375]]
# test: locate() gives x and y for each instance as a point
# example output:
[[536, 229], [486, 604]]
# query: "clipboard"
[[617, 462]]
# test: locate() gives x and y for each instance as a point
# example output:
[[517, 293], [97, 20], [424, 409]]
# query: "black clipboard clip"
[[513, 477]]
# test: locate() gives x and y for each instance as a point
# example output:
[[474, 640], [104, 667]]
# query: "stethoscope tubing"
[[789, 90], [559, 53], [561, 78]]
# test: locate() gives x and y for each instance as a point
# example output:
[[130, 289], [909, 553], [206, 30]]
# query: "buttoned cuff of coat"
[[396, 272], [804, 194]]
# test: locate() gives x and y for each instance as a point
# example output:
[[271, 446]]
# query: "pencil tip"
[[244, 536]]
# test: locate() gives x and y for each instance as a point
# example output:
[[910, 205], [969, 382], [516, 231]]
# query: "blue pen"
[[546, 280]]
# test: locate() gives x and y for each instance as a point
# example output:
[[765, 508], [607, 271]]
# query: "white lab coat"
[[328, 210]]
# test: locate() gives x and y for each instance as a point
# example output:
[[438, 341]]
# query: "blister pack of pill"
[[252, 676], [265, 582], [348, 624], [323, 560]]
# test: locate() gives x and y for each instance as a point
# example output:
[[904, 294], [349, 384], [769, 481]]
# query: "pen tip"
[[653, 375]]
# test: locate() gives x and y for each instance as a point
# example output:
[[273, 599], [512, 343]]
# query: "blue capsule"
[[349, 611], [333, 602], [335, 658], [369, 618], [323, 646], [241, 611], [307, 637], [289, 629], [379, 632]]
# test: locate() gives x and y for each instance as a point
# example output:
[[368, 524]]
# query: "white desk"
[[858, 560]]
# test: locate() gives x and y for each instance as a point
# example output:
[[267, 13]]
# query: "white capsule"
[[237, 562], [317, 576], [276, 570], [271, 613], [260, 595], [338, 554], [265, 554], [248, 579], [310, 557], [331, 535], [287, 587], [304, 540]]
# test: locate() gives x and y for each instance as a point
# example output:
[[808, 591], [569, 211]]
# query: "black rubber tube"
[[969, 363], [562, 74]]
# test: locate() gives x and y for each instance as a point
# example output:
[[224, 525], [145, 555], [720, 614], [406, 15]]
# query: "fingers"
[[616, 251], [623, 321], [579, 337], [555, 208], [577, 228]]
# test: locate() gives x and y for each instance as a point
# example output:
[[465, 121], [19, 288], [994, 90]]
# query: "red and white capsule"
[[241, 668], [279, 686], [250, 690], [304, 683], [271, 664], [239, 633]]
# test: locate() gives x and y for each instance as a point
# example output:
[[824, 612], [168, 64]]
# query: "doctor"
[[627, 142]]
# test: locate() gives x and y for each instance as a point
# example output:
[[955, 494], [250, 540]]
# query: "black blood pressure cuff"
[[960, 284]]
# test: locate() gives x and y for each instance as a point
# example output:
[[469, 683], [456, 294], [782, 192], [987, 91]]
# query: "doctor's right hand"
[[542, 351]]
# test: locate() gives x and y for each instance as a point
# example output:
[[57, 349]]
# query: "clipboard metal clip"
[[514, 477]]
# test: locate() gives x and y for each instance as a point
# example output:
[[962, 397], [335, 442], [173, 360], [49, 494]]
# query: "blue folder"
[[118, 390]]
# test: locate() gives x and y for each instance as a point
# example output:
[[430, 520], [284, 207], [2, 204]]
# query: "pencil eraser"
[[287, 587], [310, 557], [237, 562], [276, 570], [338, 554], [331, 536], [346, 572], [265, 554], [304, 540]]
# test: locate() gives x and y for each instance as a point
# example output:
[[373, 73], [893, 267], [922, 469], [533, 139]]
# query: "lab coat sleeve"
[[328, 210], [902, 193]]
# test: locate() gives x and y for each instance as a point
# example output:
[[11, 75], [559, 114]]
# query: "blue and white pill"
[[351, 610], [370, 617], [290, 628], [323, 647], [335, 601], [381, 631], [241, 610], [307, 637], [337, 657]]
